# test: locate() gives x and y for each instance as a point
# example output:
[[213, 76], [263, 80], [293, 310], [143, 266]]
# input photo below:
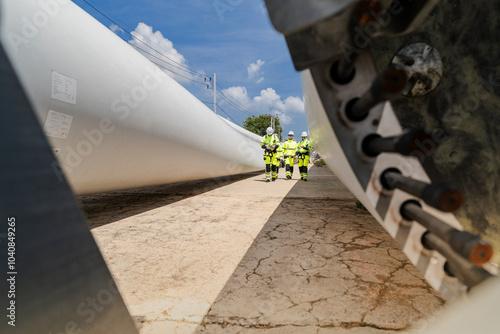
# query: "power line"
[[223, 111], [206, 102], [165, 68], [232, 104], [229, 99], [226, 96], [198, 82], [233, 98], [238, 102], [182, 67], [159, 65], [109, 14], [247, 109]]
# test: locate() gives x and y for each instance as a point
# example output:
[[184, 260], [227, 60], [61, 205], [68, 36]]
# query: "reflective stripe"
[[290, 147], [270, 140], [305, 143]]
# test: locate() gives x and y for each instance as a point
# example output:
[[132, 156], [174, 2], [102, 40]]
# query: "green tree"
[[259, 124]]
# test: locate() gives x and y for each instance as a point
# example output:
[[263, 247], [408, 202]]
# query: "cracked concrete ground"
[[236, 255]]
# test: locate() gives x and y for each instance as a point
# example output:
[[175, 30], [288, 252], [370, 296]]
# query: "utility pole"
[[215, 93], [214, 87], [272, 122]]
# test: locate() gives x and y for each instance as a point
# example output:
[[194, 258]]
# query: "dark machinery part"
[[58, 278], [438, 195], [316, 30], [423, 66], [463, 107], [364, 12], [471, 247], [452, 92], [468, 273], [388, 84], [410, 143]]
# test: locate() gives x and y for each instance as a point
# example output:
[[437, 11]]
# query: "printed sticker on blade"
[[57, 124], [63, 88]]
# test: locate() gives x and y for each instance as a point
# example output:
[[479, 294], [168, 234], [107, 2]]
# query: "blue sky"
[[233, 38]]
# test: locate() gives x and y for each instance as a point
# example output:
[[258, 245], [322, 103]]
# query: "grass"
[[320, 163], [360, 205]]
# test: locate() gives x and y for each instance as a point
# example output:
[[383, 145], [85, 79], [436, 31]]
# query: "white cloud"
[[268, 99], [116, 28], [160, 50], [294, 105], [254, 71], [240, 94], [269, 102], [284, 118]]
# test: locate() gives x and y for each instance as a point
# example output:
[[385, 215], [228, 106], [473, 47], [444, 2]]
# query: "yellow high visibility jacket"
[[289, 148], [271, 140], [304, 147], [279, 152]]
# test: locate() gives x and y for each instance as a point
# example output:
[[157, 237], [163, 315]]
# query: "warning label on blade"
[[57, 124], [63, 88]]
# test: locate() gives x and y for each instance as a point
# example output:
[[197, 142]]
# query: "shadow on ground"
[[321, 266], [106, 208]]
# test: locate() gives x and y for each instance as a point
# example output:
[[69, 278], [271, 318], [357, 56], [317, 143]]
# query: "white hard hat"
[[304, 134], [290, 133], [269, 130]]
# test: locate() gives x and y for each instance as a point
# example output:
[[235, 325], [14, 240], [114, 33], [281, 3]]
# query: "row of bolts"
[[465, 252]]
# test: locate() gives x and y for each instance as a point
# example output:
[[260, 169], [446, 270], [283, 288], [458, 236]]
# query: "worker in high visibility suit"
[[303, 152], [289, 150], [279, 158], [270, 144]]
